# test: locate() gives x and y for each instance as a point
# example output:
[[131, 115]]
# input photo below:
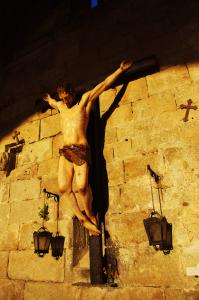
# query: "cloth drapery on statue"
[[78, 154]]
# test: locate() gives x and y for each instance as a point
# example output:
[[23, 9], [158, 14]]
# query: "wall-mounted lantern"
[[57, 242], [159, 231], [42, 239]]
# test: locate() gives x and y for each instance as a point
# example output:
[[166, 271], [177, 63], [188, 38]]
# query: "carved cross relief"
[[188, 107]]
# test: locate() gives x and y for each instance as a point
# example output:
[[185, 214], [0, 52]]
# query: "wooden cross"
[[187, 107], [15, 136]]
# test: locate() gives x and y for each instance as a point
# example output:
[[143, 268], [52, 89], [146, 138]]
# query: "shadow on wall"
[[130, 28]]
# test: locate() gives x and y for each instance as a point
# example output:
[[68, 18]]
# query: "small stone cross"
[[187, 107], [15, 136]]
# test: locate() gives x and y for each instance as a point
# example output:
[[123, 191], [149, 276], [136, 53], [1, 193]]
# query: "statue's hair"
[[66, 87]]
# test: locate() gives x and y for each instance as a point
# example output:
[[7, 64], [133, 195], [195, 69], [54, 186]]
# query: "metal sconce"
[[158, 230], [57, 242]]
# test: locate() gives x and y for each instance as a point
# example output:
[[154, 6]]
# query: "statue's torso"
[[74, 123]]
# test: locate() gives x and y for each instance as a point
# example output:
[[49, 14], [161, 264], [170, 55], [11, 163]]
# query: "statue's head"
[[66, 94]]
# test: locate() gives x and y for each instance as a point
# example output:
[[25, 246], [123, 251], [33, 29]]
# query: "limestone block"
[[122, 149], [45, 291], [50, 183], [9, 237], [191, 295], [57, 144], [3, 264], [135, 90], [106, 99], [48, 168], [26, 265], [168, 79], [26, 235], [184, 93], [127, 228], [29, 131], [4, 192], [24, 189], [108, 152], [25, 211], [25, 172], [136, 167], [50, 126], [173, 294], [120, 116], [157, 266], [36, 152], [126, 131], [4, 215], [136, 198], [39, 115], [115, 171], [11, 290], [193, 68], [110, 135]]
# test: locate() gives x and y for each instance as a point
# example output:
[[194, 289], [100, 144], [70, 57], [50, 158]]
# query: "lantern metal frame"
[[42, 240], [158, 230], [57, 242]]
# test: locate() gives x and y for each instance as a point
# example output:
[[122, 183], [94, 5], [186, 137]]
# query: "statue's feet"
[[93, 220], [93, 230]]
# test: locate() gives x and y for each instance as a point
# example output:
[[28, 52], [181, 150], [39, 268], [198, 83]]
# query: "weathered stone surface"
[[4, 215], [29, 132], [48, 168], [110, 135], [50, 183], [135, 90], [106, 99], [25, 172], [50, 126], [24, 189], [120, 116], [57, 144], [108, 152], [36, 152], [115, 172], [48, 291], [173, 294], [119, 227], [9, 238], [136, 167], [122, 149], [25, 211], [4, 192], [193, 68], [11, 289], [149, 267], [26, 265], [168, 79], [3, 264]]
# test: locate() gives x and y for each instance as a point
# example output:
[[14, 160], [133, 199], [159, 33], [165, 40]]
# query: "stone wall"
[[146, 127]]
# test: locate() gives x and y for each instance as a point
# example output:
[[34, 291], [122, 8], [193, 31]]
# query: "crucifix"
[[12, 150], [187, 107]]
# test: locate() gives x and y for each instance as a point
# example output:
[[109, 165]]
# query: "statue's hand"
[[46, 97], [125, 65]]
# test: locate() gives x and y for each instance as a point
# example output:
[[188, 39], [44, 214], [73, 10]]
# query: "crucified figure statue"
[[74, 156]]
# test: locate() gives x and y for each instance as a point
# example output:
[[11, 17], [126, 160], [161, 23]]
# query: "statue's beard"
[[68, 102]]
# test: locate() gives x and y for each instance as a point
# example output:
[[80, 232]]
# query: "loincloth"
[[77, 154]]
